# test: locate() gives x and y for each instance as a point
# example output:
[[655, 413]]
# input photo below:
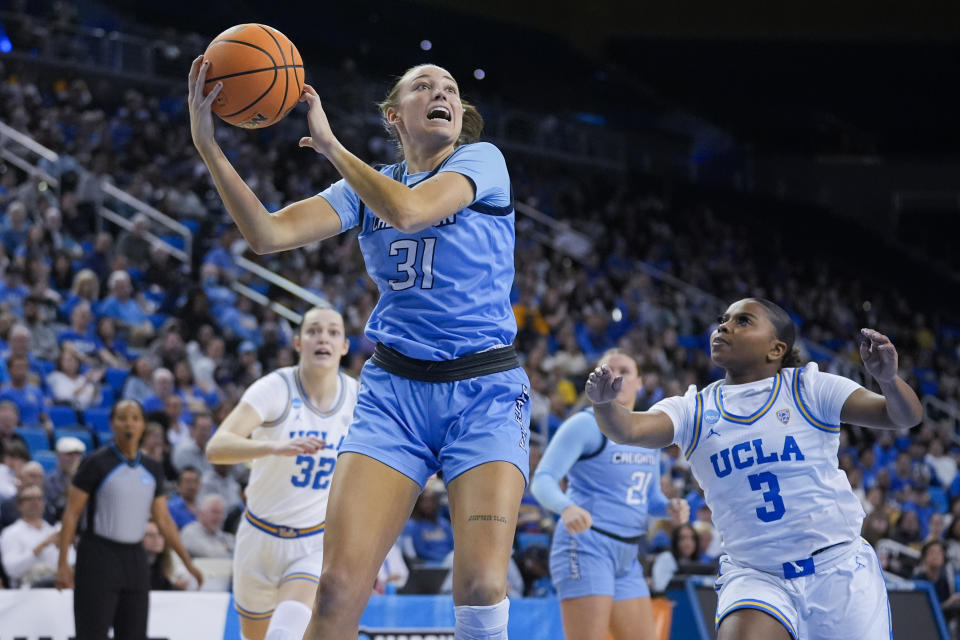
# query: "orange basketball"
[[261, 72]]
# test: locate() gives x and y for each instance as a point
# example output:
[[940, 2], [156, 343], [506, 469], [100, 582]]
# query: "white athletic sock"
[[481, 623], [289, 621]]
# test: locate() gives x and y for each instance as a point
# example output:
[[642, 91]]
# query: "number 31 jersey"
[[765, 454], [444, 290], [292, 490]]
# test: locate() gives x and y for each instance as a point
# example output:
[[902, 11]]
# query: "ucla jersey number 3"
[[410, 249], [773, 508]]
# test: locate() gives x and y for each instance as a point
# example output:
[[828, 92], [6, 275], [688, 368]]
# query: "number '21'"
[[321, 480]]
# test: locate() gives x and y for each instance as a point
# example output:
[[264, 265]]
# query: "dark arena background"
[[666, 160]]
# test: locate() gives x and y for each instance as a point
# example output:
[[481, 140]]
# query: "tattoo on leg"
[[489, 518]]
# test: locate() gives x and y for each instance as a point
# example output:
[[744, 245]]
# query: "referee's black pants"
[[112, 588]]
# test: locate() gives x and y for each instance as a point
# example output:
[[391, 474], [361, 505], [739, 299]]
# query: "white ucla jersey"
[[291, 491], [765, 454]]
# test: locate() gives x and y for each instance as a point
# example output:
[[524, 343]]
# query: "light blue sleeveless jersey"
[[616, 483], [444, 290]]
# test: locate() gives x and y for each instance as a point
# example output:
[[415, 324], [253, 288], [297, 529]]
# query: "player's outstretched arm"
[[406, 209], [898, 407], [651, 429], [231, 443], [296, 225]]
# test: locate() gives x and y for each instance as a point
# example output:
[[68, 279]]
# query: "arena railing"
[[30, 156], [276, 280], [80, 46]]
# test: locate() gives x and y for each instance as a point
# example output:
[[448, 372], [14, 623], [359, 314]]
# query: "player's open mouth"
[[322, 352], [439, 113], [719, 341]]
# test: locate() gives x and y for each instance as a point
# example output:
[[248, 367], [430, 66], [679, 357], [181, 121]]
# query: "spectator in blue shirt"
[[183, 504], [12, 290], [85, 288], [163, 385], [900, 473], [99, 259], [220, 255], [80, 334], [869, 466], [427, 536], [124, 308], [14, 232], [27, 397]]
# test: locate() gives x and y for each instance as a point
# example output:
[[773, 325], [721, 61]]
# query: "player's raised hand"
[[602, 387], [321, 138], [299, 446], [879, 355], [679, 510], [201, 117], [576, 519]]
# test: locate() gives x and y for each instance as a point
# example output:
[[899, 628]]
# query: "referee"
[[121, 491]]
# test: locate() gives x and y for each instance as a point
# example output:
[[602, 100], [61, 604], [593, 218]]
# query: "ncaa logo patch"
[[783, 415], [296, 403], [711, 416]]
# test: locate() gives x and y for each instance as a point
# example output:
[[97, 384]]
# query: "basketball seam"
[[259, 98], [295, 77], [248, 44], [243, 73], [295, 67], [286, 74]]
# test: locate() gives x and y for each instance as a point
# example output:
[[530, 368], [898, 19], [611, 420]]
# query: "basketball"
[[261, 72]]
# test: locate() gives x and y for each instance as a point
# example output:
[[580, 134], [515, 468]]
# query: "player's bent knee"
[[338, 595], [481, 590]]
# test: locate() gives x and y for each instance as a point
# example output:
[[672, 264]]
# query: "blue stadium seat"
[[193, 225], [63, 416], [104, 438], [527, 540], [35, 437], [107, 396], [45, 367], [157, 319], [115, 378], [80, 433], [98, 419], [47, 459], [175, 241]]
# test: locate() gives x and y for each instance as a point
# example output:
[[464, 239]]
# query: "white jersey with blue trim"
[[292, 490], [444, 290], [765, 454]]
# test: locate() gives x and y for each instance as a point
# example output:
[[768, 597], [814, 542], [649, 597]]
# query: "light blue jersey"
[[618, 484], [444, 290]]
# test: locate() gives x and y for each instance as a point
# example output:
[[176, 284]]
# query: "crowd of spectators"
[[90, 313]]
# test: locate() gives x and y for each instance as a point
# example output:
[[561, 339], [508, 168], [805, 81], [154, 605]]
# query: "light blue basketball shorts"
[[419, 428], [592, 564]]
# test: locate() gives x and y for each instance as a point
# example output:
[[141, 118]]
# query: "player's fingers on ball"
[[212, 95]]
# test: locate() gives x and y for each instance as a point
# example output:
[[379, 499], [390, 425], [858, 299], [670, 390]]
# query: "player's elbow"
[[405, 220], [262, 244], [215, 452], [912, 419]]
